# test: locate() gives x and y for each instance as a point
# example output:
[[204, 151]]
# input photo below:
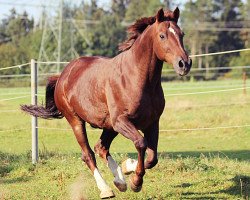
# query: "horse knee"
[[141, 144]]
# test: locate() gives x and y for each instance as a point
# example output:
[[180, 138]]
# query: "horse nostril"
[[181, 64]]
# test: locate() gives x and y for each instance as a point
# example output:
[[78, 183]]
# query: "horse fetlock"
[[140, 174]]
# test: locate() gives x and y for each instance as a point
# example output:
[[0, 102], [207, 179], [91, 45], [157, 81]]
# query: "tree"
[[227, 40], [18, 26], [242, 60], [119, 7], [246, 15], [11, 55], [142, 8], [204, 21], [17, 44], [198, 23], [244, 57], [106, 37]]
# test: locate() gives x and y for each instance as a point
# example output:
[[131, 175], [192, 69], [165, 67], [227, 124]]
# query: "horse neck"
[[146, 64]]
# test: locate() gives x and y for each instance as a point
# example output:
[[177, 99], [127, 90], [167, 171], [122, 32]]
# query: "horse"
[[120, 95]]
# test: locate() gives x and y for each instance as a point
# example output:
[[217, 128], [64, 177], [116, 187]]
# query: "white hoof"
[[107, 194]]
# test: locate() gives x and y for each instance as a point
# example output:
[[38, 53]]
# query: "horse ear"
[[160, 15], [176, 14]]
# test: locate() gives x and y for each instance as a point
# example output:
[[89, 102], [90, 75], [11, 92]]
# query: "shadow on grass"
[[10, 162], [240, 155], [7, 162], [16, 180], [240, 183], [241, 188]]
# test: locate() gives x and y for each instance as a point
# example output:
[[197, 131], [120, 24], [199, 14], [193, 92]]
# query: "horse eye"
[[162, 36]]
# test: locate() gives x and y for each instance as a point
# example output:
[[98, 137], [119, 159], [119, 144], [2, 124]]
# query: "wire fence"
[[170, 91], [161, 130], [206, 92], [207, 105], [14, 98], [192, 56], [191, 93], [15, 66], [205, 128]]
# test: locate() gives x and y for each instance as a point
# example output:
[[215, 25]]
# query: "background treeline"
[[88, 29]]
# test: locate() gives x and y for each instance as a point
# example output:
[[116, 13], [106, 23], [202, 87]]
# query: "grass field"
[[193, 164]]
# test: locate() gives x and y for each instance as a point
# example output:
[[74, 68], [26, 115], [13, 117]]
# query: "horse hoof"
[[125, 170], [107, 194], [133, 186], [122, 187]]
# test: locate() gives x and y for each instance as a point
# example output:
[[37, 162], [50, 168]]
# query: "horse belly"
[[96, 115], [99, 119]]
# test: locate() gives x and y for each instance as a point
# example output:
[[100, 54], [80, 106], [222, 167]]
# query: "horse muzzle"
[[182, 67]]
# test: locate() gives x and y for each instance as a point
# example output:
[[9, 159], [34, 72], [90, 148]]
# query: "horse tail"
[[49, 111]]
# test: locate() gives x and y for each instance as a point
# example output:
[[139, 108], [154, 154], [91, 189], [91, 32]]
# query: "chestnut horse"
[[119, 95]]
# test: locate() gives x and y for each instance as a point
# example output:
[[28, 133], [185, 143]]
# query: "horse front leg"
[[151, 135], [127, 129]]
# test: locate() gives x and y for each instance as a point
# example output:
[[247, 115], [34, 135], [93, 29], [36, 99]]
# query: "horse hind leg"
[[129, 166], [88, 156], [102, 149]]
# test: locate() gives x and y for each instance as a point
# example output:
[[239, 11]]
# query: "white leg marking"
[[101, 184], [131, 164], [116, 170]]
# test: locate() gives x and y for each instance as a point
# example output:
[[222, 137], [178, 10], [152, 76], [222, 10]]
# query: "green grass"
[[200, 164]]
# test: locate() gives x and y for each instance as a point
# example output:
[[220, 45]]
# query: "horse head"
[[168, 41]]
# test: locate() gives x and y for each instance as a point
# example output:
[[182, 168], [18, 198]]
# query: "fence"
[[34, 94]]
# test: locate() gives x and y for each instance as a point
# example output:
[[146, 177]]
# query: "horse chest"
[[148, 111]]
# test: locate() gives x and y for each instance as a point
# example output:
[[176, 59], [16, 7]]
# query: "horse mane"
[[136, 29]]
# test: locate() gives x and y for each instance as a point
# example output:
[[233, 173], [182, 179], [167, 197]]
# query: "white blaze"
[[172, 31]]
